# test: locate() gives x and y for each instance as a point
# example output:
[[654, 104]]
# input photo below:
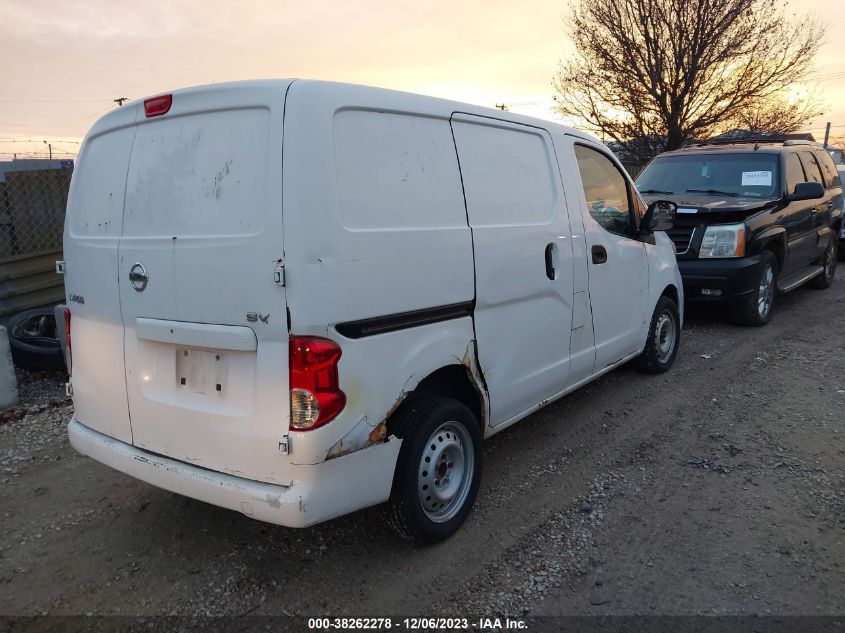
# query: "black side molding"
[[404, 320]]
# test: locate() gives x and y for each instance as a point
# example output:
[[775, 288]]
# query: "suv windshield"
[[745, 174]]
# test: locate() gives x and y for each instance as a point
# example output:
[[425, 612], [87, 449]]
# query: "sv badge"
[[254, 317]]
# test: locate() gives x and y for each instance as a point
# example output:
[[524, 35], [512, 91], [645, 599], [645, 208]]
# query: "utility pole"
[[502, 106], [49, 149], [121, 100], [826, 134]]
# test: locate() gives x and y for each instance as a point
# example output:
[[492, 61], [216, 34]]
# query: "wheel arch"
[[459, 383], [772, 240], [671, 291]]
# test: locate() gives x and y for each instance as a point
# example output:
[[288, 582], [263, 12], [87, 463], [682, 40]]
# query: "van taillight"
[[156, 106], [67, 335], [315, 395]]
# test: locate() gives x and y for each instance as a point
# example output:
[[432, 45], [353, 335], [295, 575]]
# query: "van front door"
[[523, 261], [617, 261]]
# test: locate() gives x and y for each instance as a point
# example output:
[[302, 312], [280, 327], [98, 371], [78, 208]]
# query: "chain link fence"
[[32, 217], [32, 211]]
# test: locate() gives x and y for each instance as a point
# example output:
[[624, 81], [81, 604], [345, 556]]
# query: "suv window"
[[811, 166], [605, 190], [738, 173], [831, 175], [794, 171]]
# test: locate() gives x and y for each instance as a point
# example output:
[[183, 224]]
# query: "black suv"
[[754, 218]]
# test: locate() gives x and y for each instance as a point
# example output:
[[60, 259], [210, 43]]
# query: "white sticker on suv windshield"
[[756, 179], [686, 210]]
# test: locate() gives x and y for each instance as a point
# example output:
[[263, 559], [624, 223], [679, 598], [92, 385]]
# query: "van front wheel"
[[664, 335], [438, 470]]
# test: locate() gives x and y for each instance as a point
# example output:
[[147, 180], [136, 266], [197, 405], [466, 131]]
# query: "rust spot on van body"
[[379, 432], [469, 361], [355, 440]]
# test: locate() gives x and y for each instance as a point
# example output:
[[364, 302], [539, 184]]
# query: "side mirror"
[[660, 216], [807, 191]]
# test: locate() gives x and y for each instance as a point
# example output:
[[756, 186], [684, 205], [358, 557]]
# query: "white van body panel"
[[357, 256], [93, 227], [617, 288], [203, 215], [517, 211], [402, 234]]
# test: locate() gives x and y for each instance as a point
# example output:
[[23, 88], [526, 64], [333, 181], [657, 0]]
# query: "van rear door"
[[93, 226], [206, 340]]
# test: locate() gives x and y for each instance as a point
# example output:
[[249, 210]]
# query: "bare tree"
[[776, 116], [652, 74]]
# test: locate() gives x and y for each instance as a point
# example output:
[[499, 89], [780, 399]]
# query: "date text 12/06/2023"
[[417, 624]]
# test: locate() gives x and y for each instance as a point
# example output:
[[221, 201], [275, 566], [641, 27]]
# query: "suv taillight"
[[67, 335], [315, 396]]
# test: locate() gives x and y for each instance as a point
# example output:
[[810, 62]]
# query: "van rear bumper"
[[317, 493]]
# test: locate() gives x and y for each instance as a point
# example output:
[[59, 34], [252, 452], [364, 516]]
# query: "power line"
[[43, 124], [54, 100], [21, 140]]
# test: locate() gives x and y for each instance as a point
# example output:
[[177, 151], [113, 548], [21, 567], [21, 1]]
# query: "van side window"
[[811, 166], [605, 190], [794, 172], [831, 174]]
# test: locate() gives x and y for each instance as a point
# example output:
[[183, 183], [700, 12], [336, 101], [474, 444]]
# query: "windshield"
[[736, 174]]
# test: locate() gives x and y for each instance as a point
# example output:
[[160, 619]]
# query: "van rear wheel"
[[438, 471], [664, 335]]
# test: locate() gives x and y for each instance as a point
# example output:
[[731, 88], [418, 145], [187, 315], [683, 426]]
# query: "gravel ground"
[[714, 489]]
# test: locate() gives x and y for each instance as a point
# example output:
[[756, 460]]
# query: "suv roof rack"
[[738, 141], [756, 140]]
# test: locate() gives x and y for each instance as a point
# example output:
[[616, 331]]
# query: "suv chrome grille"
[[682, 236]]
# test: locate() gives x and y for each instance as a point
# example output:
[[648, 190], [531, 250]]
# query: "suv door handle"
[[599, 254]]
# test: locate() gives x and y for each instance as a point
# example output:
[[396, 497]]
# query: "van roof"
[[131, 112]]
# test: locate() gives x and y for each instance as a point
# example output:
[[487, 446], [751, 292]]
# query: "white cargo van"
[[295, 299]]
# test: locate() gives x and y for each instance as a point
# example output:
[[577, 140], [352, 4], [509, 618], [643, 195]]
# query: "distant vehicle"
[[841, 169], [298, 299], [754, 219]]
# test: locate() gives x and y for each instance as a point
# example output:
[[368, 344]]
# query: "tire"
[[32, 338], [828, 261], [664, 337], [442, 431], [755, 310]]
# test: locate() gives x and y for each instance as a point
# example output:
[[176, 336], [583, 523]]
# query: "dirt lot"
[[715, 489]]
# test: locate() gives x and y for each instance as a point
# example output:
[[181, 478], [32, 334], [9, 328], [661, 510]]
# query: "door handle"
[[550, 262], [599, 254]]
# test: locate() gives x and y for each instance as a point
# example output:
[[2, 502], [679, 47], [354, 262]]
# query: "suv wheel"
[[664, 334], [438, 471], [756, 309], [828, 262]]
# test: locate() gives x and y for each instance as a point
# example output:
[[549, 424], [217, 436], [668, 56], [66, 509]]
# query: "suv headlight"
[[723, 240]]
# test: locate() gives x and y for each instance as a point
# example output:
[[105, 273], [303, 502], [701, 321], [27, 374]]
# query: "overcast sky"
[[63, 61]]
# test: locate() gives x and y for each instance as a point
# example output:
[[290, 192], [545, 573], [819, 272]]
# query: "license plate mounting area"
[[201, 371]]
